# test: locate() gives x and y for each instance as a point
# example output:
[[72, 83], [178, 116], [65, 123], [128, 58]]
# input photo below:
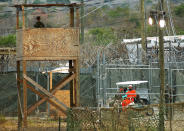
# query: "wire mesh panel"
[[82, 118], [88, 90], [110, 74], [177, 84], [8, 93], [110, 119]]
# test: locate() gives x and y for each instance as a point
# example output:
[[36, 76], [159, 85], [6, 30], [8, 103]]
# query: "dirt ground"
[[34, 124]]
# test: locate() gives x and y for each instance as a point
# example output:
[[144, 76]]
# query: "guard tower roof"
[[47, 5]]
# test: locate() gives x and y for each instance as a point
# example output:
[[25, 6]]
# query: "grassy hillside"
[[103, 25]]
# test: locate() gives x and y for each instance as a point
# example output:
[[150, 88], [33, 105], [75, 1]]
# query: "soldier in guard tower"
[[39, 24]]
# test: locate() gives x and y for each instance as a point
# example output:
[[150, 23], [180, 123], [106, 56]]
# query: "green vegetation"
[[37, 2], [149, 2], [8, 41], [135, 19], [60, 1], [179, 10], [2, 118], [119, 11], [5, 15], [180, 31], [102, 36]]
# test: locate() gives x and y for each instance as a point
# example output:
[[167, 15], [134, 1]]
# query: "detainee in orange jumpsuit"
[[131, 95]]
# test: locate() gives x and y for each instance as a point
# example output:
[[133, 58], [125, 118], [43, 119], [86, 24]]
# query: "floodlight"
[[150, 21], [162, 23]]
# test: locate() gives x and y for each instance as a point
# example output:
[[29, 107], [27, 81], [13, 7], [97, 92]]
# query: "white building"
[[173, 43]]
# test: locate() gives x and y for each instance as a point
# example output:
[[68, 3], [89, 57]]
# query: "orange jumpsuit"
[[131, 95], [130, 98]]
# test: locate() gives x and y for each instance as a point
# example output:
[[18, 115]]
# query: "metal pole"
[[149, 88], [100, 81], [119, 65], [134, 68], [48, 88], [171, 113], [37, 80], [104, 79], [137, 53], [97, 78], [171, 90]]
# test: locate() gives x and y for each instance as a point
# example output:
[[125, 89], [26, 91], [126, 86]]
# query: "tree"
[[102, 36], [179, 10]]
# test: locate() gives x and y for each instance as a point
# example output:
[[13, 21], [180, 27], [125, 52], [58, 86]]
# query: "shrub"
[[135, 20], [179, 31], [119, 11], [2, 119], [179, 10], [8, 41], [102, 36]]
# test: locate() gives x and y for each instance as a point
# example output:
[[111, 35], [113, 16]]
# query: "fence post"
[[59, 128]]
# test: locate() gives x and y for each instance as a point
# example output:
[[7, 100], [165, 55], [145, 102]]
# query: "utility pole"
[[143, 36], [162, 73], [82, 23]]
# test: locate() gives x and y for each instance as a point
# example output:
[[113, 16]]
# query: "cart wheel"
[[150, 111]]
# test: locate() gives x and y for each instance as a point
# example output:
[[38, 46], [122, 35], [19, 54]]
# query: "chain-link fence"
[[117, 119], [105, 60], [99, 119]]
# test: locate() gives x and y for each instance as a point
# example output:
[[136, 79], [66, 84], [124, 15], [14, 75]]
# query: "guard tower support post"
[[24, 80], [70, 61], [76, 64], [18, 78], [24, 54]]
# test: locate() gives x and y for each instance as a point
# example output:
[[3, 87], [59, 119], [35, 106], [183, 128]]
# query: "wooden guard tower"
[[44, 44]]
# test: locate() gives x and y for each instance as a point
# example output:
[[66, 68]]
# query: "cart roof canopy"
[[130, 83]]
